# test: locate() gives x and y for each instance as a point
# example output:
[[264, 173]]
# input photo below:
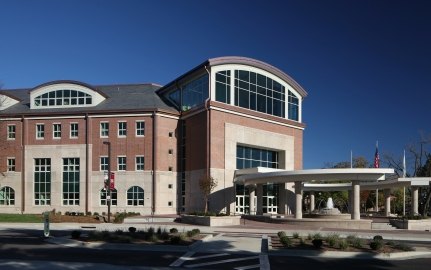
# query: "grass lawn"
[[24, 218]]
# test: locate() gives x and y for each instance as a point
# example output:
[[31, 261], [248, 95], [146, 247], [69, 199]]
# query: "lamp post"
[[107, 185]]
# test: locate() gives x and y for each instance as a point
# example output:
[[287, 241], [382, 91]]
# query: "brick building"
[[226, 114]]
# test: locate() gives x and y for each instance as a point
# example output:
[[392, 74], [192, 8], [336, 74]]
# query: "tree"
[[207, 184]]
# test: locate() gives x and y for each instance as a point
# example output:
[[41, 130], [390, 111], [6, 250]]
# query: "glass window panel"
[[261, 80], [243, 99], [244, 75], [220, 92]]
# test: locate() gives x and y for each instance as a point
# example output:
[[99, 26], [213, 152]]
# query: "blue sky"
[[365, 64]]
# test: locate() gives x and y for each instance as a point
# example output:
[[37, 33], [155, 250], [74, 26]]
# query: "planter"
[[418, 225], [211, 220]]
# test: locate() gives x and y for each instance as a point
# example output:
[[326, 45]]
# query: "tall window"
[[140, 128], [293, 107], [56, 131], [11, 132], [121, 161], [104, 164], [104, 129], [11, 164], [140, 163], [103, 194], [247, 157], [223, 86], [122, 129], [42, 181], [7, 196], [70, 181], [135, 196], [74, 130], [195, 93], [40, 131]]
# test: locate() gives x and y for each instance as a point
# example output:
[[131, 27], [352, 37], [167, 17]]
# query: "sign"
[[112, 181], [46, 224], [105, 180]]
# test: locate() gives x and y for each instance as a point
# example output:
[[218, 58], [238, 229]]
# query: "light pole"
[[108, 184]]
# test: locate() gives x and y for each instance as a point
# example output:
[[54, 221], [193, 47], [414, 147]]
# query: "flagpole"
[[377, 165], [351, 159], [404, 188]]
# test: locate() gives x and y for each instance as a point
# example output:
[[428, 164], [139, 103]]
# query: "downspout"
[[23, 163], [87, 161], [153, 202], [207, 101]]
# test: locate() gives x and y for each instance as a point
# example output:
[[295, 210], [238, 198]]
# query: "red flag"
[[377, 158]]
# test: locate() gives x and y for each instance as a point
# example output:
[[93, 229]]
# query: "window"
[[42, 181], [171, 134], [121, 163], [170, 203], [140, 163], [104, 194], [40, 131], [170, 186], [122, 129], [247, 157], [74, 130], [195, 93], [293, 107], [70, 181], [11, 132], [104, 129], [170, 168], [223, 86], [63, 98], [11, 164], [140, 128], [135, 196], [56, 131], [7, 196], [104, 164], [171, 151]]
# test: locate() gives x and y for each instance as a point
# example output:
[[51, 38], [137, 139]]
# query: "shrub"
[[404, 247], [164, 235], [378, 238], [150, 231], [316, 236], [159, 231], [309, 236], [96, 213], [376, 245], [173, 230], [190, 234], [286, 241], [342, 244], [317, 243], [67, 213], [153, 238], [76, 234], [301, 241], [281, 234], [119, 231], [332, 240], [356, 242], [176, 239], [132, 229], [295, 235], [89, 213], [196, 231]]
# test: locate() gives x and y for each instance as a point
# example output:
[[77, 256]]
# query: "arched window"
[[63, 98], [135, 196], [7, 196], [103, 194]]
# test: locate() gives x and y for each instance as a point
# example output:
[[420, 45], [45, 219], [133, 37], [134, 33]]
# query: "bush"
[[404, 247], [281, 234], [295, 235], [119, 232], [332, 240], [150, 231], [153, 238], [76, 234], [196, 231], [159, 231], [378, 238], [317, 236], [356, 242], [132, 229], [176, 239], [286, 241], [376, 245], [317, 243], [342, 244], [173, 230], [89, 213], [96, 213], [310, 236], [164, 235]]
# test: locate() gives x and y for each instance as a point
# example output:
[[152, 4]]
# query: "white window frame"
[[102, 165], [121, 164], [72, 131], [56, 132], [40, 135], [11, 135], [122, 130], [11, 167], [138, 129], [136, 163], [102, 129]]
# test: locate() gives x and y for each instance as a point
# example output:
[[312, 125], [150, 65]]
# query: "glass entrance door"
[[270, 205]]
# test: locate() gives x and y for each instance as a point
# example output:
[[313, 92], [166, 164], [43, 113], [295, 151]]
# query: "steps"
[[382, 226], [149, 219]]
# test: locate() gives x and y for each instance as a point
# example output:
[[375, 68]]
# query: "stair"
[[148, 219], [382, 226]]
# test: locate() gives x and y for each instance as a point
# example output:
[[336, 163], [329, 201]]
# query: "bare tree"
[[207, 185]]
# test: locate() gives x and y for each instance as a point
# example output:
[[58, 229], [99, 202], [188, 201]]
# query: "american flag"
[[376, 157]]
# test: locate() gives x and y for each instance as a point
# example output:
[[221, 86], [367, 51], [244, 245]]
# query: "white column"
[[356, 213], [377, 200], [259, 199], [415, 200], [251, 198], [282, 200], [312, 201], [387, 193], [350, 194], [298, 200]]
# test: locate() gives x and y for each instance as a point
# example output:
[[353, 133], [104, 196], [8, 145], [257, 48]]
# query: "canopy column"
[[259, 199], [251, 198], [415, 200], [387, 193], [356, 214], [298, 200], [282, 199], [312, 203]]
